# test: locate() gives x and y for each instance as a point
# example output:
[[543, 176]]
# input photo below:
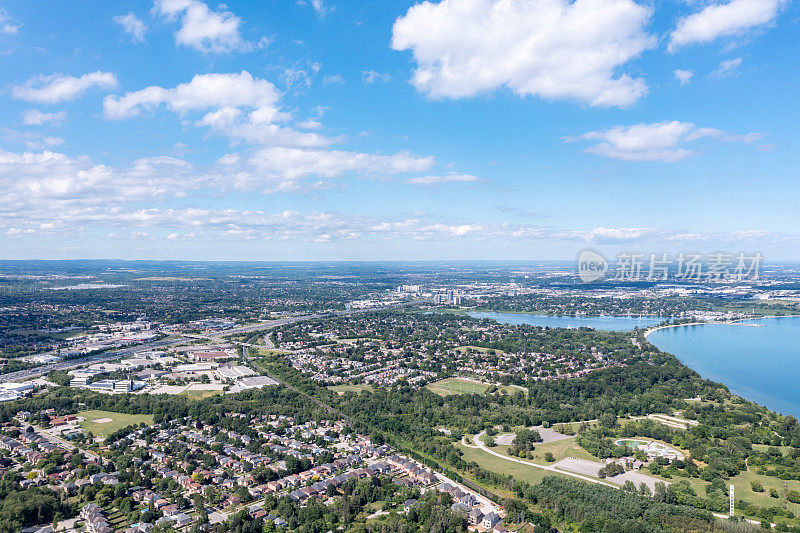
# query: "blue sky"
[[460, 129]]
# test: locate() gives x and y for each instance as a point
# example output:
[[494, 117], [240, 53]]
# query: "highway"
[[99, 358], [173, 340]]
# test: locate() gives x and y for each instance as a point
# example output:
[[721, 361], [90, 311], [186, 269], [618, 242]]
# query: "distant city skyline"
[[455, 129]]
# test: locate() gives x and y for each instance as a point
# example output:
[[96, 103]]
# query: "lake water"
[[607, 323], [759, 364]]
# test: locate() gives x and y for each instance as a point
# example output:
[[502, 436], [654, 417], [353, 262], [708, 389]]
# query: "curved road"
[[479, 443]]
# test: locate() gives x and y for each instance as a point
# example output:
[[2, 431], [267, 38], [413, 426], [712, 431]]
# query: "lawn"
[[741, 484], [501, 466], [118, 421], [560, 450], [743, 491], [464, 386], [200, 394], [341, 389]]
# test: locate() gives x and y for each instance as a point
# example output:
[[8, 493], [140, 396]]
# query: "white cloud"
[[372, 76], [60, 88], [48, 192], [132, 25], [295, 163], [437, 180], [319, 7], [248, 109], [663, 141], [205, 91], [554, 49], [334, 78], [34, 117], [33, 140], [309, 124], [61, 182], [228, 159], [615, 235], [683, 76], [720, 20], [297, 76], [6, 24], [203, 29], [727, 68]]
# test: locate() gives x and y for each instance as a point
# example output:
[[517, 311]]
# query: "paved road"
[[58, 441], [479, 443]]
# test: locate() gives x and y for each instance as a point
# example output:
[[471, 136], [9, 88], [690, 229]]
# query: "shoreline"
[[732, 322]]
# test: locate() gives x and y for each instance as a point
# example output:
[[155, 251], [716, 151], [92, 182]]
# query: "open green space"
[[200, 394], [488, 461], [560, 449], [341, 389], [448, 386], [106, 428]]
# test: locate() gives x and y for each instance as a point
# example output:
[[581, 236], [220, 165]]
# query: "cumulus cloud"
[[662, 141], [683, 76], [203, 29], [204, 91], [34, 117], [55, 179], [554, 49], [248, 109], [132, 25], [727, 68], [723, 19], [49, 192], [60, 88], [437, 180]]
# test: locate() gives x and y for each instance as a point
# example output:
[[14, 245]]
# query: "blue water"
[[607, 323], [759, 364]]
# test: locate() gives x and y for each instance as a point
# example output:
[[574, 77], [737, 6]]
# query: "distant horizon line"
[[351, 261]]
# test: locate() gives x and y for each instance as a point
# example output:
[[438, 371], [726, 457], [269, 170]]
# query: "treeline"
[[25, 507], [637, 390], [600, 508], [277, 400]]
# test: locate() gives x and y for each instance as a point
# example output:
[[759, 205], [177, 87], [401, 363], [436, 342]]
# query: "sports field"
[[341, 389], [104, 423], [466, 386], [457, 386]]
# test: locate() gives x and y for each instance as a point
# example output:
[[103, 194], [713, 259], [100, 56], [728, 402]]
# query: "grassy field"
[[464, 386], [743, 491], [560, 450], [501, 466], [341, 389], [118, 421], [200, 394]]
